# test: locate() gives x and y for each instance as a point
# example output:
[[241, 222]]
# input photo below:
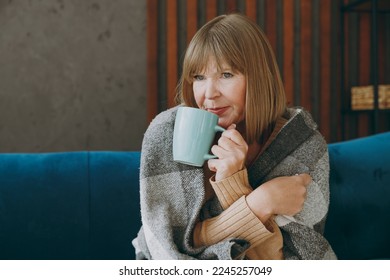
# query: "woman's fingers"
[[211, 163], [306, 178], [231, 152], [234, 136]]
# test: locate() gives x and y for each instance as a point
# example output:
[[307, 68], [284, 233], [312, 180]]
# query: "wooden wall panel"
[[211, 9], [192, 19], [288, 53], [231, 6], [251, 9], [351, 71], [306, 54], [305, 37], [335, 119], [384, 61], [270, 27], [364, 68], [325, 64]]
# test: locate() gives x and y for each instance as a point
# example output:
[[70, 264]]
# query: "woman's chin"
[[225, 124]]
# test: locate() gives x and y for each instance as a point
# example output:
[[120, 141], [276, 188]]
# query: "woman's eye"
[[227, 75], [198, 77]]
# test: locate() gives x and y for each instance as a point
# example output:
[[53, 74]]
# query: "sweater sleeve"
[[239, 221], [232, 188], [236, 221]]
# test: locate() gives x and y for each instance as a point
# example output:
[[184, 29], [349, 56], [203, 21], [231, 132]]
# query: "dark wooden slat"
[[382, 122], [221, 7], [387, 47], [182, 32], [270, 26], [288, 49], [352, 71], [315, 71], [279, 34], [335, 74], [201, 11], [381, 48], [261, 13], [385, 56], [325, 67], [241, 6], [306, 54], [364, 68], [297, 52]]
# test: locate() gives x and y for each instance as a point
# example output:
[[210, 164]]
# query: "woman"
[[266, 195]]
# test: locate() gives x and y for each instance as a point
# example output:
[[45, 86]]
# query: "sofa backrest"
[[73, 205]]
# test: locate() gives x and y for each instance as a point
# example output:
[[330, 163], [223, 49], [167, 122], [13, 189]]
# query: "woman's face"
[[221, 92]]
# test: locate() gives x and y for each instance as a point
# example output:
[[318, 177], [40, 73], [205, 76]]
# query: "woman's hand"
[[231, 152], [279, 196]]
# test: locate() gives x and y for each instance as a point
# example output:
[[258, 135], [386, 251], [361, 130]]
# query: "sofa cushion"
[[43, 214], [115, 217], [72, 205]]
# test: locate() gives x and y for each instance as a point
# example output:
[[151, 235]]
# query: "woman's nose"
[[211, 89]]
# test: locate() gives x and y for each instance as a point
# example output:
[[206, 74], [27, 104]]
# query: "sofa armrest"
[[358, 222]]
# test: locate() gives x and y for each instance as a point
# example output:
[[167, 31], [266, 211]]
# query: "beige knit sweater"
[[237, 220]]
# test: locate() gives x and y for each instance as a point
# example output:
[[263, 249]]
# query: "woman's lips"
[[218, 111]]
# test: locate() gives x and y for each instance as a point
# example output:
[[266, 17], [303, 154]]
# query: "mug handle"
[[208, 156], [218, 128]]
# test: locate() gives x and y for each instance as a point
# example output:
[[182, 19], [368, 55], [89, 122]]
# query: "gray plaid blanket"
[[172, 194]]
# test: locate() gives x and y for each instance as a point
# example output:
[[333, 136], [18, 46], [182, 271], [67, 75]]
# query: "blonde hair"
[[237, 41]]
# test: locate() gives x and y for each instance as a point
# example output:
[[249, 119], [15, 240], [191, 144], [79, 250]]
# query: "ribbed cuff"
[[238, 221], [232, 188]]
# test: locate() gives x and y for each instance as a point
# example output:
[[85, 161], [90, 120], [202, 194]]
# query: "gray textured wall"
[[72, 75]]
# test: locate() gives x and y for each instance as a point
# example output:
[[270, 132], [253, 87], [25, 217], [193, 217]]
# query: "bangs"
[[199, 54]]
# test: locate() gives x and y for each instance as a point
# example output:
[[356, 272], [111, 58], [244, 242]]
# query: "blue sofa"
[[85, 205]]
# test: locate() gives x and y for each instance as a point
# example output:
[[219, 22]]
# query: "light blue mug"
[[193, 135]]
